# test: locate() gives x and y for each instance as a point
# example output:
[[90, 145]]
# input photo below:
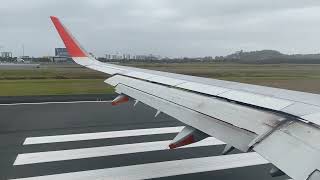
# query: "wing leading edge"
[[281, 125]]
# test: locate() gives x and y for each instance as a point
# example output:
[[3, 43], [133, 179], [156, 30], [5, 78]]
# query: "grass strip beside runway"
[[62, 79], [54, 87]]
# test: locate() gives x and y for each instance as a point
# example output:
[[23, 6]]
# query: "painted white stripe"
[[43, 103], [62, 155], [162, 169], [101, 135]]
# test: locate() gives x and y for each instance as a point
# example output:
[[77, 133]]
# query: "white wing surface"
[[281, 125]]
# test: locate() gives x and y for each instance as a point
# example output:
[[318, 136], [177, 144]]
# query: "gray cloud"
[[164, 27]]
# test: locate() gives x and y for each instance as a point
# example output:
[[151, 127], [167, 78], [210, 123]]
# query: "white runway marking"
[[62, 155], [101, 135], [162, 169], [43, 103]]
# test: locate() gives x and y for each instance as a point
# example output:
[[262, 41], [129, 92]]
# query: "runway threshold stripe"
[[162, 169], [62, 155], [101, 135]]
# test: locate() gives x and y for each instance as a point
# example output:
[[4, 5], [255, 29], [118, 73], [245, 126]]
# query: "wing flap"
[[238, 137], [256, 99], [235, 114], [203, 88], [294, 148]]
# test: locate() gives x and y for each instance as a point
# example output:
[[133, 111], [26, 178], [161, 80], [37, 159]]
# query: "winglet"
[[73, 47]]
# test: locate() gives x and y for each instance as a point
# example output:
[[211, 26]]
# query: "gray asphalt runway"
[[109, 151]]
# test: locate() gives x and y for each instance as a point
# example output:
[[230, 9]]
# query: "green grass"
[[73, 79], [51, 73], [300, 77], [53, 87], [240, 71]]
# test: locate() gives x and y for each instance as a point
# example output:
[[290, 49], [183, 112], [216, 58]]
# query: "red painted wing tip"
[[54, 19], [71, 44]]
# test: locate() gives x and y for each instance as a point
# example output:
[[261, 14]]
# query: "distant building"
[[147, 57], [127, 56], [25, 58], [61, 55], [108, 56], [61, 52], [58, 59], [114, 56], [6, 54], [141, 57]]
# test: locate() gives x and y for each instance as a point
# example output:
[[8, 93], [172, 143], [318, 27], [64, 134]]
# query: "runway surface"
[[94, 140]]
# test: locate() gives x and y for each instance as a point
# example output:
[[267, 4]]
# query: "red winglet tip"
[[72, 46], [54, 18]]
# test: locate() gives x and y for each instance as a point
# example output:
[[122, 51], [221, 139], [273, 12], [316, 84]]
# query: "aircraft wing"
[[281, 125]]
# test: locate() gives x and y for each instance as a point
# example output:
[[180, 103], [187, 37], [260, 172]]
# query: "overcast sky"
[[171, 28]]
